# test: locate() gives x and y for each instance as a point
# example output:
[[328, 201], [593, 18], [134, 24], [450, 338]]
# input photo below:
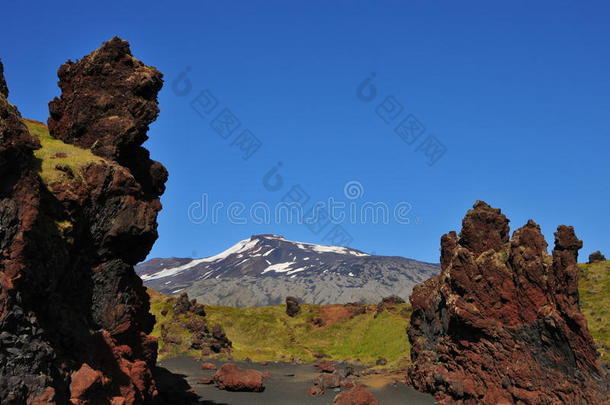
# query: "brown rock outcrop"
[[74, 317], [3, 86], [596, 257], [292, 307], [501, 324]]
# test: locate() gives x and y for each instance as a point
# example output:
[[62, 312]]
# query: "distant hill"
[[264, 269]]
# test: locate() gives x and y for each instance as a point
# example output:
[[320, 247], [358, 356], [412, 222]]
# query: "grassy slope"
[[268, 334], [594, 290], [55, 153]]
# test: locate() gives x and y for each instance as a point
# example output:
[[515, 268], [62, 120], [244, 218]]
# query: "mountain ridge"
[[264, 269]]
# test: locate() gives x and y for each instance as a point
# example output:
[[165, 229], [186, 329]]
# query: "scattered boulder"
[[184, 306], [292, 307], [314, 391], [504, 304], [205, 381], [345, 372], [357, 395], [232, 378], [392, 300], [208, 366], [381, 361], [325, 366], [326, 381], [347, 384], [318, 321], [597, 257]]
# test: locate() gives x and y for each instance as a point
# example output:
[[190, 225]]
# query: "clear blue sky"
[[518, 93]]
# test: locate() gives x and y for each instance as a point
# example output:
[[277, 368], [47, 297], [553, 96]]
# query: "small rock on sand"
[[355, 396], [208, 366], [315, 390]]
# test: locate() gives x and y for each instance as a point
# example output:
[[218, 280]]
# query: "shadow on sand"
[[173, 389]]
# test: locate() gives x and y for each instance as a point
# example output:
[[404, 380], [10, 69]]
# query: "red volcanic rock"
[[357, 395], [232, 378], [74, 317], [325, 366], [347, 384], [84, 382], [208, 366], [501, 323], [315, 391]]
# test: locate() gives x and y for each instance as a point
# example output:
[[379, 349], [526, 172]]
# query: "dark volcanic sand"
[[283, 389]]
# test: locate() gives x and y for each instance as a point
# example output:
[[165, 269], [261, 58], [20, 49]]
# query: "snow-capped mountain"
[[264, 269]]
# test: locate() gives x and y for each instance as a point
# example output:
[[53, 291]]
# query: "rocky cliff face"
[[3, 87], [501, 324], [78, 210]]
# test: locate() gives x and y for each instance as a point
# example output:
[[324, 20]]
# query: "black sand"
[[287, 385]]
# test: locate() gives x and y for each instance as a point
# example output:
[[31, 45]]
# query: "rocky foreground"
[[78, 210], [502, 323]]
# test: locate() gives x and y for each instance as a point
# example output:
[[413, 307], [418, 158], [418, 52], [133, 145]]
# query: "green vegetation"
[[58, 160], [268, 334], [594, 288]]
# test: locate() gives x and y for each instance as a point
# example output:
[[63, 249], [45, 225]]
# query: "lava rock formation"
[[292, 307], [596, 257], [501, 324], [74, 317], [3, 86]]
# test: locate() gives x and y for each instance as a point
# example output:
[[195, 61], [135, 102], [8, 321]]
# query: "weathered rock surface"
[[357, 395], [501, 324], [108, 100], [597, 257], [292, 307], [325, 366], [232, 378], [314, 391], [3, 86], [208, 366], [74, 317], [326, 381]]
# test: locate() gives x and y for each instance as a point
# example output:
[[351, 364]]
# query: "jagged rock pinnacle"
[[502, 323]]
